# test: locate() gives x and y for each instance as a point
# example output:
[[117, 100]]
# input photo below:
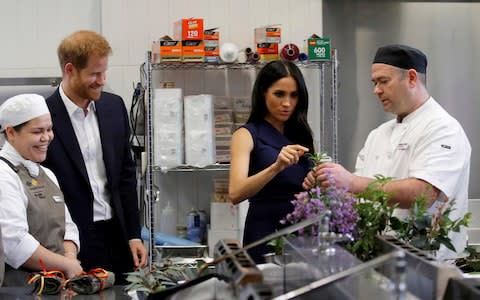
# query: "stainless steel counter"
[[23, 293]]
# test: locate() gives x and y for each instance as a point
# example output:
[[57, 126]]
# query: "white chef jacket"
[[430, 145], [18, 243]]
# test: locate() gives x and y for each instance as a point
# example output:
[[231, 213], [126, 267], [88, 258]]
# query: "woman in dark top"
[[268, 164]]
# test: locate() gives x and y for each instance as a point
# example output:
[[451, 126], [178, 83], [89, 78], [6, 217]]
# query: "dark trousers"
[[105, 247]]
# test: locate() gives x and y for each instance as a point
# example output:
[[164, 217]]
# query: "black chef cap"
[[402, 56]]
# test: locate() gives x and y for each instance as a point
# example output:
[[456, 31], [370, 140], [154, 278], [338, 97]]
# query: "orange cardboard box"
[[211, 34], [193, 51], [170, 50], [188, 29], [268, 34], [267, 48], [268, 57], [212, 51]]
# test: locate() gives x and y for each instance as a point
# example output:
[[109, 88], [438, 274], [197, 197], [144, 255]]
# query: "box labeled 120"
[[188, 29]]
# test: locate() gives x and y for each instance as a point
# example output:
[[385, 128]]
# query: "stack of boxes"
[[223, 128], [211, 40], [166, 50], [225, 221], [199, 130], [267, 40], [241, 110], [190, 32], [167, 118]]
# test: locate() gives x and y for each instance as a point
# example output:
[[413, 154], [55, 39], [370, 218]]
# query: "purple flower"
[[315, 201]]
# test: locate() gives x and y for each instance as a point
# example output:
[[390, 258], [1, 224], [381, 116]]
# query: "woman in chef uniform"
[[36, 228]]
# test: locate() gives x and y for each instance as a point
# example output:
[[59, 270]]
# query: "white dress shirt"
[[88, 137]]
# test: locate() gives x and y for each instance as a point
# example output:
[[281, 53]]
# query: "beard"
[[87, 92]]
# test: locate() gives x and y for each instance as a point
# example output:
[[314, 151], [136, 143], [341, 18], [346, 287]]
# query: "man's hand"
[[139, 253], [331, 171], [325, 171]]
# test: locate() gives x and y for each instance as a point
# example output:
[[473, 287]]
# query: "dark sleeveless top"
[[273, 202]]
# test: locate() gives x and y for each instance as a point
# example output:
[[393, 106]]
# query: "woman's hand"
[[290, 155], [72, 268], [309, 181]]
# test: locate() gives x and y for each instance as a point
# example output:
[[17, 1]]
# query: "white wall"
[[30, 31], [131, 26]]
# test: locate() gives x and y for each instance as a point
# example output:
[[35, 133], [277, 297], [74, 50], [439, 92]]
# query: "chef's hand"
[[72, 268], [290, 155], [139, 253], [327, 172]]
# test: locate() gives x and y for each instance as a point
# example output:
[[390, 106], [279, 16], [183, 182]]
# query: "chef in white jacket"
[[423, 148]]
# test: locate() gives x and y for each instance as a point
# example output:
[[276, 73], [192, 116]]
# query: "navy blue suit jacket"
[[65, 159]]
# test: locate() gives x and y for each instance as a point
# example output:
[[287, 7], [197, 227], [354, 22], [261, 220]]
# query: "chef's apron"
[[45, 216]]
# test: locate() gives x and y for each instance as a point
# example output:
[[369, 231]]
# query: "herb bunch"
[[426, 231], [374, 214]]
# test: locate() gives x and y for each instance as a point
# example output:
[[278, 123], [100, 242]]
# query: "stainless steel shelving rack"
[[328, 122]]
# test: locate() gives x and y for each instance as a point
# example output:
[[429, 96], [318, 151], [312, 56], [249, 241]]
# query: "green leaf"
[[396, 224], [134, 279], [446, 242]]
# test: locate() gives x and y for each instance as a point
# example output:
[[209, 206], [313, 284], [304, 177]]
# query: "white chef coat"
[[430, 145], [18, 243]]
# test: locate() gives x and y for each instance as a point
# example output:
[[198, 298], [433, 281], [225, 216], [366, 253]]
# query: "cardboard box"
[[193, 51], [215, 235], [267, 48], [319, 49], [223, 216], [268, 51], [188, 29], [211, 40], [268, 34], [170, 50], [212, 51], [211, 35]]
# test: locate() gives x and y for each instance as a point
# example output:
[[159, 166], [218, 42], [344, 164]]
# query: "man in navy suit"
[[91, 158]]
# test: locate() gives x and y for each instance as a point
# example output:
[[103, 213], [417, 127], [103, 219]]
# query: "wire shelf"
[[224, 66]]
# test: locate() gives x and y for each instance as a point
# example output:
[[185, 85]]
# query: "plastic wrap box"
[[168, 127], [199, 130]]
